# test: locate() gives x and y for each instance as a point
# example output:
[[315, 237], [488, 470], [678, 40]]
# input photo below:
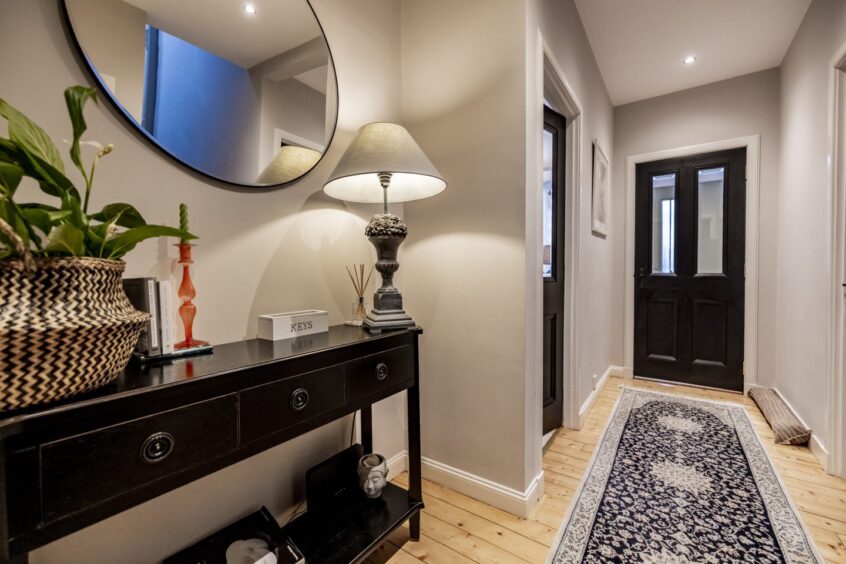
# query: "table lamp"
[[289, 164], [384, 164]]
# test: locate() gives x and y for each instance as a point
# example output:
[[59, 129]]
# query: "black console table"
[[70, 464]]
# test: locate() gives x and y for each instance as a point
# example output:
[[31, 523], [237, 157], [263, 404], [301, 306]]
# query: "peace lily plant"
[[60, 267], [66, 229]]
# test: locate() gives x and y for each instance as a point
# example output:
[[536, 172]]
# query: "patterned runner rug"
[[678, 480]]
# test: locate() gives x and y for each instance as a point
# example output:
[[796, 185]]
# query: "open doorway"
[[562, 120]]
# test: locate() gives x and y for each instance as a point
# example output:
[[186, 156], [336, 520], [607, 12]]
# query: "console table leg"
[[367, 429], [415, 480]]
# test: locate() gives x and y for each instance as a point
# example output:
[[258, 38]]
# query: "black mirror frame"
[[136, 128]]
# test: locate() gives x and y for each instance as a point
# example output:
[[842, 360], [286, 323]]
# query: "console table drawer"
[[86, 469], [379, 372], [278, 405]]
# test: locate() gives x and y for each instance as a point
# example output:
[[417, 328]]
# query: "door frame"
[[835, 462], [561, 97], [560, 274], [545, 70], [752, 144]]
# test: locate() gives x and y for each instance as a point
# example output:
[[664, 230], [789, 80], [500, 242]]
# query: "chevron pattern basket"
[[66, 327]]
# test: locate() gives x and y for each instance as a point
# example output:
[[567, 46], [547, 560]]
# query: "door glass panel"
[[664, 223], [709, 252], [548, 204]]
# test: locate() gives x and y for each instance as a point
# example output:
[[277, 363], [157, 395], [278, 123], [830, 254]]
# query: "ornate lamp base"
[[387, 232]]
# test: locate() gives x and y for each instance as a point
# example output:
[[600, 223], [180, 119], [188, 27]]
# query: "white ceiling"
[[221, 26], [639, 45]]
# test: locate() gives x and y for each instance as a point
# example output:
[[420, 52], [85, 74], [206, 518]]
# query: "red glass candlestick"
[[187, 311]]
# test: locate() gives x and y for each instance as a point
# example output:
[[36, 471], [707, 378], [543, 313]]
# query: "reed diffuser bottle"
[[359, 308]]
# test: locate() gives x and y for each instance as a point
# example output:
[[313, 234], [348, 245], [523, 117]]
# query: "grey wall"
[[746, 105], [257, 253], [462, 266], [468, 271], [291, 106], [565, 37], [804, 238]]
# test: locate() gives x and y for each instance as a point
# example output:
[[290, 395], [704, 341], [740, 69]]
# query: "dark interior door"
[[689, 269], [553, 269]]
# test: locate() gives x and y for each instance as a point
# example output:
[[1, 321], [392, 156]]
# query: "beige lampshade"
[[380, 148], [289, 164]]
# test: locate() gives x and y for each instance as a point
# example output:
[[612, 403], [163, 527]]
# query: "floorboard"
[[459, 529]]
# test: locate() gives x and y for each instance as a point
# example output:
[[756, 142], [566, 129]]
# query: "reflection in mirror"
[[247, 96]]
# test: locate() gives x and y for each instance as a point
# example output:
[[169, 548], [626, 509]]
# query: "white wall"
[[564, 35], [115, 36], [462, 266], [293, 107], [804, 238], [257, 252], [470, 100], [737, 107]]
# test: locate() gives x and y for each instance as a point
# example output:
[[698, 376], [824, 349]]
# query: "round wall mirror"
[[241, 91]]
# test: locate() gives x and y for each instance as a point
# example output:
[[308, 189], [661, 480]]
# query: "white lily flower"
[[106, 150], [102, 150]]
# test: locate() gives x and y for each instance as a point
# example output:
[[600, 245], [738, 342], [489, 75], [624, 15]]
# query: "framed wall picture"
[[600, 192]]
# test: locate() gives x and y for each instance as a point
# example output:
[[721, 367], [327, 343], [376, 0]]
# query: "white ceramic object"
[[277, 326]]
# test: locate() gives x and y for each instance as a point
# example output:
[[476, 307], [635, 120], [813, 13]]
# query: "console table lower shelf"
[[353, 531]]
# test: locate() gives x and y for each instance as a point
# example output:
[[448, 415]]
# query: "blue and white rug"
[[680, 480]]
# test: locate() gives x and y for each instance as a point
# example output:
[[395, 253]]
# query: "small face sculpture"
[[252, 551], [373, 474]]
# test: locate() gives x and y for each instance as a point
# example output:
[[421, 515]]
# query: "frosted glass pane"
[[664, 223], [710, 189]]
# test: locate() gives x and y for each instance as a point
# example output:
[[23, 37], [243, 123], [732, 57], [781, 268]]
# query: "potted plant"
[[66, 325]]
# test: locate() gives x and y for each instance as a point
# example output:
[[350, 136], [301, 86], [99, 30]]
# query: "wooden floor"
[[459, 529]]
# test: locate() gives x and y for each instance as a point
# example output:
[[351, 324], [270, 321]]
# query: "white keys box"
[[278, 326]]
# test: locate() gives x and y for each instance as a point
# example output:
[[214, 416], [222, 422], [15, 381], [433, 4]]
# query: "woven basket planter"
[[65, 328]]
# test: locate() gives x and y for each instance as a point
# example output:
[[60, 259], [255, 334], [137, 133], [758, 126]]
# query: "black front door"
[[689, 269], [553, 269]]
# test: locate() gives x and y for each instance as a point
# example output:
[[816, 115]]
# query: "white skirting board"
[[397, 464], [505, 498], [815, 444], [819, 451], [600, 383]]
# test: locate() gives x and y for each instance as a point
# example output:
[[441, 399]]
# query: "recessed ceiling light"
[[689, 60], [249, 9]]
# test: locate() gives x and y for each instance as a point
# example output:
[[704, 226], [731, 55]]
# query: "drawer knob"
[[157, 447], [299, 399], [381, 371]]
